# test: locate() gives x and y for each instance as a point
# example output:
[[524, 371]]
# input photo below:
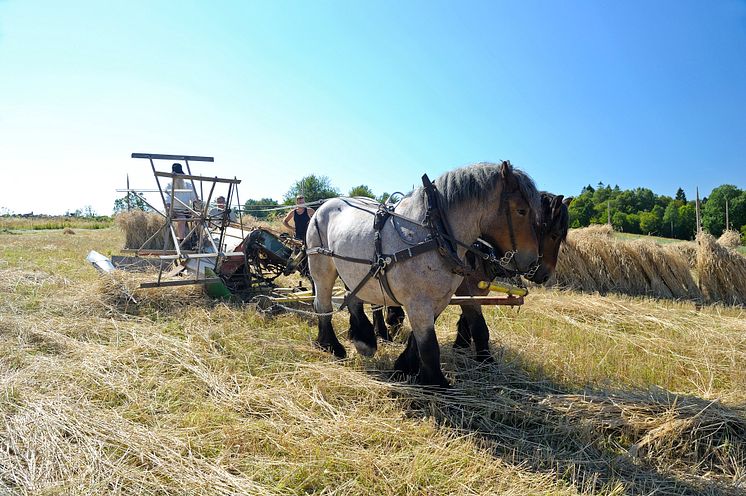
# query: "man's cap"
[[176, 169]]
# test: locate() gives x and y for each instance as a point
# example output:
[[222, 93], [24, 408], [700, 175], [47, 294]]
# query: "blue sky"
[[631, 93]]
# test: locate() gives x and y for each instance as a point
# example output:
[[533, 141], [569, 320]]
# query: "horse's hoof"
[[435, 383], [405, 366], [461, 345], [335, 349], [485, 357], [364, 348]]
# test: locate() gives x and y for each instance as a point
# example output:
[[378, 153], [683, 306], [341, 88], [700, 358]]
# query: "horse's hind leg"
[[479, 332], [423, 330], [408, 362], [395, 320], [463, 333], [379, 324], [324, 274], [361, 330]]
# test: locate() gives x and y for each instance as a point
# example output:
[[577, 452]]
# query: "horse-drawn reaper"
[[413, 256]]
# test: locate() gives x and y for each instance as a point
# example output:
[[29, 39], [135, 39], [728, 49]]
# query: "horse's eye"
[[522, 211]]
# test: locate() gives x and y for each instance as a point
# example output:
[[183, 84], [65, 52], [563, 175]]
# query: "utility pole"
[[699, 217], [726, 215], [608, 212], [129, 207]]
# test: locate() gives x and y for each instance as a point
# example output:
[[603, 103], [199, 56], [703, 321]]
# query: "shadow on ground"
[[601, 441]]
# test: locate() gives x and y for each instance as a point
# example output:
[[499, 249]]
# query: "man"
[[301, 216], [216, 212]]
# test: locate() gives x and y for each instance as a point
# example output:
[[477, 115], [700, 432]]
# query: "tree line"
[[641, 211]]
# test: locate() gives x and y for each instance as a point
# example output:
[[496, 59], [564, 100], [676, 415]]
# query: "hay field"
[[177, 394], [596, 259]]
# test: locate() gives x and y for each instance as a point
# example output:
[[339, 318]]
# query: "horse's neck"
[[463, 218], [464, 221]]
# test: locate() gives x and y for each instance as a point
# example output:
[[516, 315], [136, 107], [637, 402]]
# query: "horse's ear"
[[506, 172], [545, 202], [567, 201]]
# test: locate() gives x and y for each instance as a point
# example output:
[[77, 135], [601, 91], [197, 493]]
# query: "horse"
[[418, 264], [552, 231]]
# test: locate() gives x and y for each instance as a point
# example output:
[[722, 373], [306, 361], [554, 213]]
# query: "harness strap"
[[440, 230]]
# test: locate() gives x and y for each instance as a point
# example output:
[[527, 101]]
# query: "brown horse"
[[552, 231]]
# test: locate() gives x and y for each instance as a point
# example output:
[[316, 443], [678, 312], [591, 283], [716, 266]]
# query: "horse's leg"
[[379, 324], [463, 333], [361, 330], [324, 274], [408, 362], [422, 321], [479, 331], [395, 320]]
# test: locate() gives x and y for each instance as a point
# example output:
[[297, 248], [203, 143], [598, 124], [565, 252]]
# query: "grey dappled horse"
[[481, 200]]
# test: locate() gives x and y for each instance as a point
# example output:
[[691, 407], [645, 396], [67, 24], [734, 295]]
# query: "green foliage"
[[257, 208], [361, 190], [136, 202], [650, 223], [713, 212], [312, 188], [581, 209], [640, 211]]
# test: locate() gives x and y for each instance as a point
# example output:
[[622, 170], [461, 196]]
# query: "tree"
[[136, 202], [581, 211], [625, 222], [671, 218], [312, 188], [361, 190], [650, 223], [680, 195], [713, 212], [258, 208], [687, 221]]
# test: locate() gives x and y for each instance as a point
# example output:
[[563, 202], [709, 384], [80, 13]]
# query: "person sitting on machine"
[[216, 212], [184, 195]]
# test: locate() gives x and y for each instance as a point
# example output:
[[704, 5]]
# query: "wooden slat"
[[199, 178], [158, 156], [487, 300], [179, 283]]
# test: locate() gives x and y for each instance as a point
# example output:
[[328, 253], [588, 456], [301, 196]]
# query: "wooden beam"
[[179, 283], [158, 156], [487, 300], [199, 178]]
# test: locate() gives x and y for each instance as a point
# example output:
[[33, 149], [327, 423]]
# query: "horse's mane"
[[478, 181], [563, 221]]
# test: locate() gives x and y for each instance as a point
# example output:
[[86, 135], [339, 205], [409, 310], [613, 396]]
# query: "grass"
[[47, 223], [177, 394], [661, 240]]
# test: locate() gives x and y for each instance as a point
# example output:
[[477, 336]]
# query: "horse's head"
[[554, 222], [511, 229]]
